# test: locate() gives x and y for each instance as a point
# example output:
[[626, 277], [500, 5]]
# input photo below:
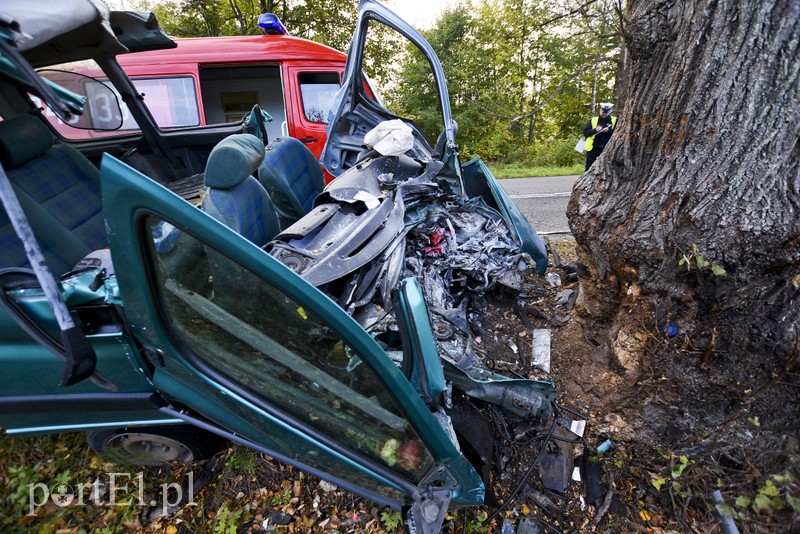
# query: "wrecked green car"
[[339, 341]]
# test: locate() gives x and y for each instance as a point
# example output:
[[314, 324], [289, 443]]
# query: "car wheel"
[[153, 445]]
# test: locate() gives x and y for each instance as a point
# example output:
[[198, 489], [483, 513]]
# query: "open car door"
[[248, 349], [358, 108]]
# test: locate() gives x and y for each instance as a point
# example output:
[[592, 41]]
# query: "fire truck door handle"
[[307, 140]]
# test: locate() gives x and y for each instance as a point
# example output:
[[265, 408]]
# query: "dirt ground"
[[669, 422]]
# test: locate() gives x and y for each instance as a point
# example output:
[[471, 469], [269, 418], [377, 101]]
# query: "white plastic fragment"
[[541, 349], [553, 279], [576, 474], [369, 199], [577, 427]]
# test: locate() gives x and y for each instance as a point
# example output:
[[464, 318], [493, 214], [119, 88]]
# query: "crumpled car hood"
[[394, 217]]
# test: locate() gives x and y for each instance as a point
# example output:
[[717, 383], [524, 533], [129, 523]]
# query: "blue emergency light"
[[271, 25]]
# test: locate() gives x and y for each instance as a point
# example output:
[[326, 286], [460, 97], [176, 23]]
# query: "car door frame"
[[339, 145]]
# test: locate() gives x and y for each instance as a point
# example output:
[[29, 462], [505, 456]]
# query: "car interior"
[[59, 190]]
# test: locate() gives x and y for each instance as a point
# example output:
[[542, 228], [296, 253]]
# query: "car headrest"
[[22, 138], [233, 159]]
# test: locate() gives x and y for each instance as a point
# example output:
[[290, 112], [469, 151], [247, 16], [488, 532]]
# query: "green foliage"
[[518, 170], [282, 498], [391, 520], [564, 153], [522, 75], [793, 502], [678, 466], [242, 460], [227, 521], [694, 261], [768, 496], [19, 480], [330, 22], [773, 495], [476, 526]]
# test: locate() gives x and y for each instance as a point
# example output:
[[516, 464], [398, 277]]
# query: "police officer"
[[597, 133]]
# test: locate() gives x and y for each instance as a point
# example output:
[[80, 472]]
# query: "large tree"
[[704, 165]]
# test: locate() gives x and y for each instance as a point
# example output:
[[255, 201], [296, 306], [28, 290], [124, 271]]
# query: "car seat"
[[293, 178], [233, 196], [59, 190]]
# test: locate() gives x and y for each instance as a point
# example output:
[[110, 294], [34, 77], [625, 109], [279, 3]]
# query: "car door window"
[[391, 62], [171, 100], [267, 343], [317, 90]]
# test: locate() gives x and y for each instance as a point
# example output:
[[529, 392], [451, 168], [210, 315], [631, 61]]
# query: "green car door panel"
[[258, 350], [33, 399]]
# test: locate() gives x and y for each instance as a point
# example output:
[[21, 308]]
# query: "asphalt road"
[[543, 201]]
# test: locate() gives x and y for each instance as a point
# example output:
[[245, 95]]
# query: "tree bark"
[[706, 153]]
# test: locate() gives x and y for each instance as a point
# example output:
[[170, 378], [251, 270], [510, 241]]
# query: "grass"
[[249, 488], [517, 170]]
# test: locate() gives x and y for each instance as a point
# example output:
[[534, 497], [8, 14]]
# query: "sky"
[[419, 13]]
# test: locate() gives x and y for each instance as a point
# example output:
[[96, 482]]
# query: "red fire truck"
[[212, 80]]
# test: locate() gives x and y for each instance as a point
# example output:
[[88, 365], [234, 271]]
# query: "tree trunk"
[[706, 154]]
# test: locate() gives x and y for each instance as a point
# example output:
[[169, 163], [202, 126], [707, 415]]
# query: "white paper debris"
[[577, 427], [576, 474]]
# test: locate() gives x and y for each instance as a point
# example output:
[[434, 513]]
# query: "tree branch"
[[568, 14], [561, 86]]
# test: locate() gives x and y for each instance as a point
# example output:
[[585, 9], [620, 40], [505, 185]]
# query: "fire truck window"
[[317, 90], [172, 101]]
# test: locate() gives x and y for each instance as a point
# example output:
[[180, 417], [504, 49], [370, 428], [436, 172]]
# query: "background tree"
[[522, 75], [705, 164], [330, 22]]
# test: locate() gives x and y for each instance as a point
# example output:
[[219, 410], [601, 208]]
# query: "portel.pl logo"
[[112, 489]]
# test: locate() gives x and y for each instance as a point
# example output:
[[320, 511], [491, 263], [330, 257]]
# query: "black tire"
[[154, 445]]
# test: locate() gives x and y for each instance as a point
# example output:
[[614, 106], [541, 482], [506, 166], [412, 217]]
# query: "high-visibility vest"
[[590, 139]]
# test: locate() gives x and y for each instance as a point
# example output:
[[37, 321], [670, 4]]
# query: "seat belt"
[[79, 357]]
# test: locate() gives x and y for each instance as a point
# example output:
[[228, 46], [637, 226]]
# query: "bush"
[[564, 154], [551, 153]]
